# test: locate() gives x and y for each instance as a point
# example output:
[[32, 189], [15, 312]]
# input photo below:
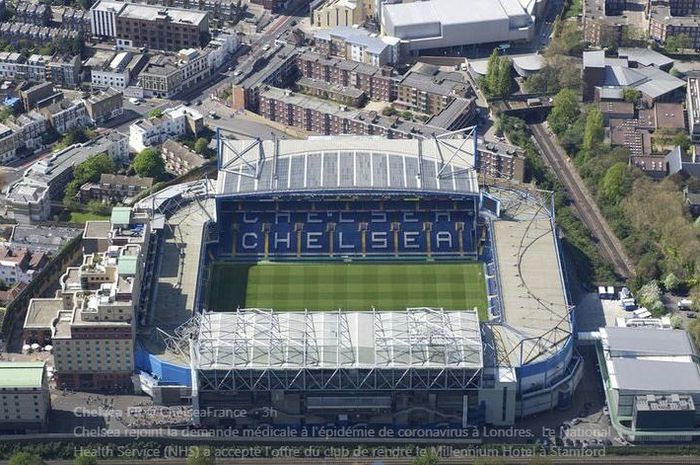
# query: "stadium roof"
[[442, 164], [449, 12], [650, 376], [534, 309], [265, 339]]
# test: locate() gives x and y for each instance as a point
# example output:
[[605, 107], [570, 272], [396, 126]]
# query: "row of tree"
[[649, 217], [498, 81]]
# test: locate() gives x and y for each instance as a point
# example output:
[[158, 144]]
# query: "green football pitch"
[[358, 287]]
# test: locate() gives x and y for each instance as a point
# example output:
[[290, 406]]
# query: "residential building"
[[66, 115], [29, 199], [179, 159], [64, 71], [118, 72], [426, 89], [167, 75], [115, 188], [25, 400], [358, 44], [174, 122], [321, 117], [346, 95], [333, 13], [603, 22], [217, 9], [75, 19], [437, 24], [272, 5], [374, 81], [32, 13], [104, 106], [91, 325], [103, 18], [161, 28], [277, 67], [39, 95], [220, 48], [20, 265], [16, 66], [663, 24], [21, 135]]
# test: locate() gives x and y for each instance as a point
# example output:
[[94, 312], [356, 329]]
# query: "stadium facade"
[[350, 198]]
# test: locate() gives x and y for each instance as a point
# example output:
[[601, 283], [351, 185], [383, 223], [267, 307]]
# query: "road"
[[584, 204]]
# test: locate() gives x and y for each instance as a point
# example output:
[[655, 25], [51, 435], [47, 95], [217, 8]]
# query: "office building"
[[25, 401], [161, 28]]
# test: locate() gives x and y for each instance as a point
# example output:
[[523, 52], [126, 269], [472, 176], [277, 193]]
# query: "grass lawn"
[[328, 286], [82, 217]]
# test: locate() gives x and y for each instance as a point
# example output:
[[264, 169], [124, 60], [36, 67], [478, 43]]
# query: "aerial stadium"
[[353, 279]]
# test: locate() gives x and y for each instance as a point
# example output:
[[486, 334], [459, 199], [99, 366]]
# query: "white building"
[[66, 115], [220, 48], [174, 122], [452, 23], [19, 265], [25, 400], [103, 18], [115, 74], [358, 44]]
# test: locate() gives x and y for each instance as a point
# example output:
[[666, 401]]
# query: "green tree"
[[671, 282], [595, 130], [430, 457], [155, 113], [25, 458], [682, 139], [616, 183], [84, 460], [632, 95], [492, 70], [565, 110], [678, 42], [693, 329], [676, 321], [201, 145], [504, 78], [200, 455], [149, 163], [91, 169], [5, 113]]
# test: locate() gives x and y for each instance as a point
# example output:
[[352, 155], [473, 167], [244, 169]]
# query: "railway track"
[[585, 206]]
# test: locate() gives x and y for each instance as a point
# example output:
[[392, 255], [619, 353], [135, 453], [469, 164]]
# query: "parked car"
[[685, 304]]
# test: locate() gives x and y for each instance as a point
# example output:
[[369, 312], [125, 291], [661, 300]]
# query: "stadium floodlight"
[[450, 151]]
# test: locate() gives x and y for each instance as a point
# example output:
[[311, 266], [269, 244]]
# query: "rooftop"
[[41, 313], [453, 12], [159, 13], [21, 375], [358, 36]]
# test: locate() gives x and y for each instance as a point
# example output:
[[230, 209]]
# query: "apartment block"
[[166, 75], [104, 106], [693, 108], [118, 71], [29, 199], [103, 18], [20, 265], [91, 323], [174, 122], [21, 135], [376, 82], [357, 44], [66, 115], [426, 89], [115, 188], [179, 159], [39, 95], [161, 28]]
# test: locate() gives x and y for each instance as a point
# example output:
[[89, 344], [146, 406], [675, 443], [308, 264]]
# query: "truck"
[[685, 304]]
